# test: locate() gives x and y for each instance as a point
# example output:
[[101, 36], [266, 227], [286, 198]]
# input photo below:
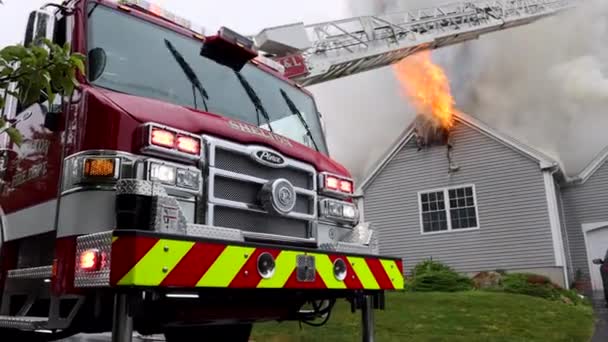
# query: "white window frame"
[[446, 197]]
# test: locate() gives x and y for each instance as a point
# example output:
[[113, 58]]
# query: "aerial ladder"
[[311, 54]]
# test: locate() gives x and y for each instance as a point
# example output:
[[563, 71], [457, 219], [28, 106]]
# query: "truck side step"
[[41, 272], [23, 322]]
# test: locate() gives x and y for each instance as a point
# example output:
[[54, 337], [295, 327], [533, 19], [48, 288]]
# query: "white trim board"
[[554, 221]]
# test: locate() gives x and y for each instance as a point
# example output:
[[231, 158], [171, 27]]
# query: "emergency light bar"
[[336, 185], [162, 13], [170, 142], [229, 48]]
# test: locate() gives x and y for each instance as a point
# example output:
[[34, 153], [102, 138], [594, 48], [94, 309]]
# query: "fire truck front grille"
[[260, 223], [246, 192], [243, 164], [234, 182]]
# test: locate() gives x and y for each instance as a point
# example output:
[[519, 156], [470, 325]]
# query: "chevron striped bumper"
[[142, 259]]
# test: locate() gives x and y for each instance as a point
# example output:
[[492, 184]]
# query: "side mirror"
[[598, 261], [97, 63], [41, 24]]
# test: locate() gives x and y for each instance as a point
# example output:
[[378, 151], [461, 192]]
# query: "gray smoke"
[[545, 84]]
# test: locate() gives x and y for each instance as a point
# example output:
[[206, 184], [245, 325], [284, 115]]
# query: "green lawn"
[[463, 316]]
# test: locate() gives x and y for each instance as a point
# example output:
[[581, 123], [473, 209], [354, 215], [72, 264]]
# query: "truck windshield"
[[139, 62]]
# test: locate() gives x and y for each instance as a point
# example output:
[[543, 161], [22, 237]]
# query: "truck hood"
[[199, 122]]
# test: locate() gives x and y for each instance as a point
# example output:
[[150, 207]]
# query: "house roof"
[[544, 161], [590, 169]]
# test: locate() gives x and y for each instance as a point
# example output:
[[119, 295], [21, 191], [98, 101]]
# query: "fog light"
[[266, 265], [188, 179], [340, 269], [162, 173]]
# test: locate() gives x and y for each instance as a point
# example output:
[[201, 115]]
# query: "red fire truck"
[[184, 189]]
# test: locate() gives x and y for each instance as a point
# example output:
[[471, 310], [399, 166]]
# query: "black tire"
[[214, 333]]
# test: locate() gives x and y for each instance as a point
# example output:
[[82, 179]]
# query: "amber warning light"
[[100, 167]]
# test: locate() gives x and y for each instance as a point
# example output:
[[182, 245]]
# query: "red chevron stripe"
[[126, 253], [248, 276], [352, 280], [193, 266], [379, 273], [400, 265]]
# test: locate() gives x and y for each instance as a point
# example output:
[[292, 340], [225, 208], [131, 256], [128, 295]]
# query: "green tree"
[[39, 71]]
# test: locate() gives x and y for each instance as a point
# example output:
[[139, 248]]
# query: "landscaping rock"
[[485, 280], [566, 300]]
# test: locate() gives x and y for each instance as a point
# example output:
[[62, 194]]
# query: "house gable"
[[544, 161], [515, 230], [585, 202]]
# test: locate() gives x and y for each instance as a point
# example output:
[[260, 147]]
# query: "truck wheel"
[[236, 333]]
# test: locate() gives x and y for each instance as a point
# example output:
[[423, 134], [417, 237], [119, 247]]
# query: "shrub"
[[441, 281], [531, 285], [430, 266]]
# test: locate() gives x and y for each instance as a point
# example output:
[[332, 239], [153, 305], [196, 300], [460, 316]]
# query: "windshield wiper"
[[295, 111], [259, 107], [190, 74]]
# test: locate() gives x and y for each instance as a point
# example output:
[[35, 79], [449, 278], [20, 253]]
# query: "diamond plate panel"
[[31, 273], [140, 187], [215, 233], [102, 242], [168, 216], [305, 268], [23, 323]]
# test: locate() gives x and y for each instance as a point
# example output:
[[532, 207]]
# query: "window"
[[150, 69], [448, 209]]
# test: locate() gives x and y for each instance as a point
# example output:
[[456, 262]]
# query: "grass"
[[463, 316]]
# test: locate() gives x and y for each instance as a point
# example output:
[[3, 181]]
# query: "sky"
[[510, 80]]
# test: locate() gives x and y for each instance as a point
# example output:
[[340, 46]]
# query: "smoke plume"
[[545, 84]]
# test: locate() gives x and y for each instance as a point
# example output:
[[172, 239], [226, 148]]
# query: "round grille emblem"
[[278, 196]]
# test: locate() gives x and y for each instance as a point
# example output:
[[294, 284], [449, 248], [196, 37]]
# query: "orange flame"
[[427, 87]]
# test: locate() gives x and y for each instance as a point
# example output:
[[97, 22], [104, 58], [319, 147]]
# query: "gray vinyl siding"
[[514, 223], [585, 203]]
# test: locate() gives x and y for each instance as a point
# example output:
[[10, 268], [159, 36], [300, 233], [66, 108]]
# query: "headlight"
[[339, 211], [162, 173], [188, 179], [174, 175]]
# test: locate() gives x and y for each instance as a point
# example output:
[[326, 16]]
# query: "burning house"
[[454, 189]]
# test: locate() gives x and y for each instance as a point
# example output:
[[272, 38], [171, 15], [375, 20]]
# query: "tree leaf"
[[15, 136], [79, 63]]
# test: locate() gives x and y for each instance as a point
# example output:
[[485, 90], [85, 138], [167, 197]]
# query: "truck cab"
[[185, 188]]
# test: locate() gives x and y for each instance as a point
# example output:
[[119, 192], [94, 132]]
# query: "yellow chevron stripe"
[[226, 267], [114, 238], [285, 263], [394, 273], [326, 270], [364, 273], [157, 263]]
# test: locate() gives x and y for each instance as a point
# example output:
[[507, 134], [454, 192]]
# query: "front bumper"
[[158, 260]]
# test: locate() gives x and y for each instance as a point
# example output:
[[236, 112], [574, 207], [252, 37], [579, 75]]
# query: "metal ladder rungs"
[[40, 272], [23, 322]]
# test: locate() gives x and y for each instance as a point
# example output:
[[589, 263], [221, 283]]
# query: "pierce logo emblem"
[[269, 158]]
